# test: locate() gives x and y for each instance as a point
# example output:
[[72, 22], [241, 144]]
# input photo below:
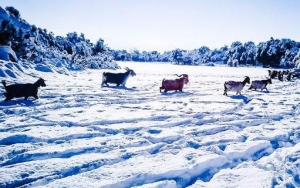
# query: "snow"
[[6, 53], [79, 134]]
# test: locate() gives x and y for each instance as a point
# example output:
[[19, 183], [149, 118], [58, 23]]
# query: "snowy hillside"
[[7, 54], [20, 40], [37, 45], [79, 134]]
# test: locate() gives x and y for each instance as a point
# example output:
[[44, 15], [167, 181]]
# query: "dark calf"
[[273, 74], [117, 78], [23, 90]]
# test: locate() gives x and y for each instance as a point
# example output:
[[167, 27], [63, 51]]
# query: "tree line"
[[272, 53]]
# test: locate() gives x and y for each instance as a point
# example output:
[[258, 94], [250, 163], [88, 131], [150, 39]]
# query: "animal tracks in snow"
[[136, 136]]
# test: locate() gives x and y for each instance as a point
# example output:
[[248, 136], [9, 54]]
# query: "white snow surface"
[[79, 134]]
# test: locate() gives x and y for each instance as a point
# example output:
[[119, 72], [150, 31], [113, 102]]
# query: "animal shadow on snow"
[[178, 93], [120, 87], [22, 102], [264, 91], [241, 97], [259, 91]]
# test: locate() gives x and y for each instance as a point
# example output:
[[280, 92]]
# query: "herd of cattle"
[[31, 90], [238, 86], [285, 75]]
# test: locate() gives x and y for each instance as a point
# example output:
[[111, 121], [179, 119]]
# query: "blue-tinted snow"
[[79, 134]]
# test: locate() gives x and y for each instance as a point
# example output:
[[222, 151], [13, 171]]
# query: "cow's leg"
[[7, 98], [160, 88], [225, 90], [104, 83]]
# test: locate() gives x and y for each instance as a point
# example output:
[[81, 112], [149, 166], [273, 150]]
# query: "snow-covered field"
[[81, 135]]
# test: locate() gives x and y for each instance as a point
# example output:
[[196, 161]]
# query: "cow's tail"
[[225, 89], [4, 83], [162, 85]]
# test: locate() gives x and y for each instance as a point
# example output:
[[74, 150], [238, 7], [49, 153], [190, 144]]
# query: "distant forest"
[[32, 43]]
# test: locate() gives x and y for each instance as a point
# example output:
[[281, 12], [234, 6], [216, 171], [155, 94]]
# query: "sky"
[[156, 25]]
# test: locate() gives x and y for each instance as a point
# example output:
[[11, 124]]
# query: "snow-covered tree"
[[249, 54], [177, 56], [13, 11], [99, 47], [277, 53], [296, 59]]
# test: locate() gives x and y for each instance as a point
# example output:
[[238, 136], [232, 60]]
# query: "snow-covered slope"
[[79, 134], [7, 54]]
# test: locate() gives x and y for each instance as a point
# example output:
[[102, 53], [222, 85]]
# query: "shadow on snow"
[[23, 102], [176, 93], [241, 97], [120, 87]]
